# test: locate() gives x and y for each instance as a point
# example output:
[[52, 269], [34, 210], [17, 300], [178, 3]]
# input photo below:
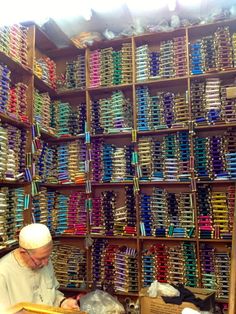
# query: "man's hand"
[[69, 304]]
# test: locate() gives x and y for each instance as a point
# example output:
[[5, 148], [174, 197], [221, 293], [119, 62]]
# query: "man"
[[27, 275]]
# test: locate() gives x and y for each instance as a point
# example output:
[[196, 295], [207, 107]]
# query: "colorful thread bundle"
[[224, 51], [213, 52], [230, 154], [17, 105], [70, 265], [112, 114], [12, 155], [75, 73], [215, 270], [40, 209], [161, 110], [164, 158], [209, 102], [142, 63], [63, 163], [13, 42], [13, 98], [64, 119], [77, 215], [196, 57], [126, 269], [170, 264], [111, 163], [51, 208], [96, 156], [170, 61], [114, 266], [4, 87], [45, 69], [42, 111], [166, 214], [13, 204], [215, 212], [109, 218], [214, 157], [109, 67], [45, 161]]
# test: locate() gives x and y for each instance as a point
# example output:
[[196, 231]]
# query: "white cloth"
[[189, 311], [21, 284]]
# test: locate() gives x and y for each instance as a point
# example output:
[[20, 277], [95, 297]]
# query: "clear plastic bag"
[[162, 289], [100, 302]]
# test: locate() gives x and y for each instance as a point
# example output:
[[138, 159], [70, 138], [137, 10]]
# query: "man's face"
[[39, 257]]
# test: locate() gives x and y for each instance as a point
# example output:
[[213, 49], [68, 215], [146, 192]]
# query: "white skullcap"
[[34, 236]]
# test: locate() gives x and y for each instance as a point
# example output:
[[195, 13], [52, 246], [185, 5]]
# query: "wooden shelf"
[[215, 126], [67, 289], [47, 135], [42, 40], [154, 37], [143, 183], [67, 138], [117, 237], [68, 235], [56, 139], [230, 73], [228, 182], [161, 131], [71, 93], [8, 249], [43, 87], [195, 30], [4, 117], [112, 135], [13, 183], [14, 66], [215, 240], [162, 83], [101, 184], [65, 52], [62, 186], [117, 42], [226, 300], [167, 239], [107, 89], [128, 294]]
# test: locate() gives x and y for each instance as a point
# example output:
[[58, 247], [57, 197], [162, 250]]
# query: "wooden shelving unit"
[[122, 138], [42, 46]]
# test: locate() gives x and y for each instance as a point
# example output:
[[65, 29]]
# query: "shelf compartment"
[[62, 186], [43, 87], [160, 239], [71, 93], [14, 66], [22, 125]]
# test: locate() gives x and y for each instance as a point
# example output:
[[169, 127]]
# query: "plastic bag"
[[162, 289], [109, 34], [100, 302]]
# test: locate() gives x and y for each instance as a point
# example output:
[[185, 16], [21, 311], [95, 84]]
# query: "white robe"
[[22, 284]]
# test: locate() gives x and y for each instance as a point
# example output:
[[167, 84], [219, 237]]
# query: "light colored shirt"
[[22, 284]]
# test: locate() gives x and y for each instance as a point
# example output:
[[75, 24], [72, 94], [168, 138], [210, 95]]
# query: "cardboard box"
[[158, 306], [231, 92]]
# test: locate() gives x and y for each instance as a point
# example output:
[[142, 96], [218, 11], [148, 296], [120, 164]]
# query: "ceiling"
[[125, 20]]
